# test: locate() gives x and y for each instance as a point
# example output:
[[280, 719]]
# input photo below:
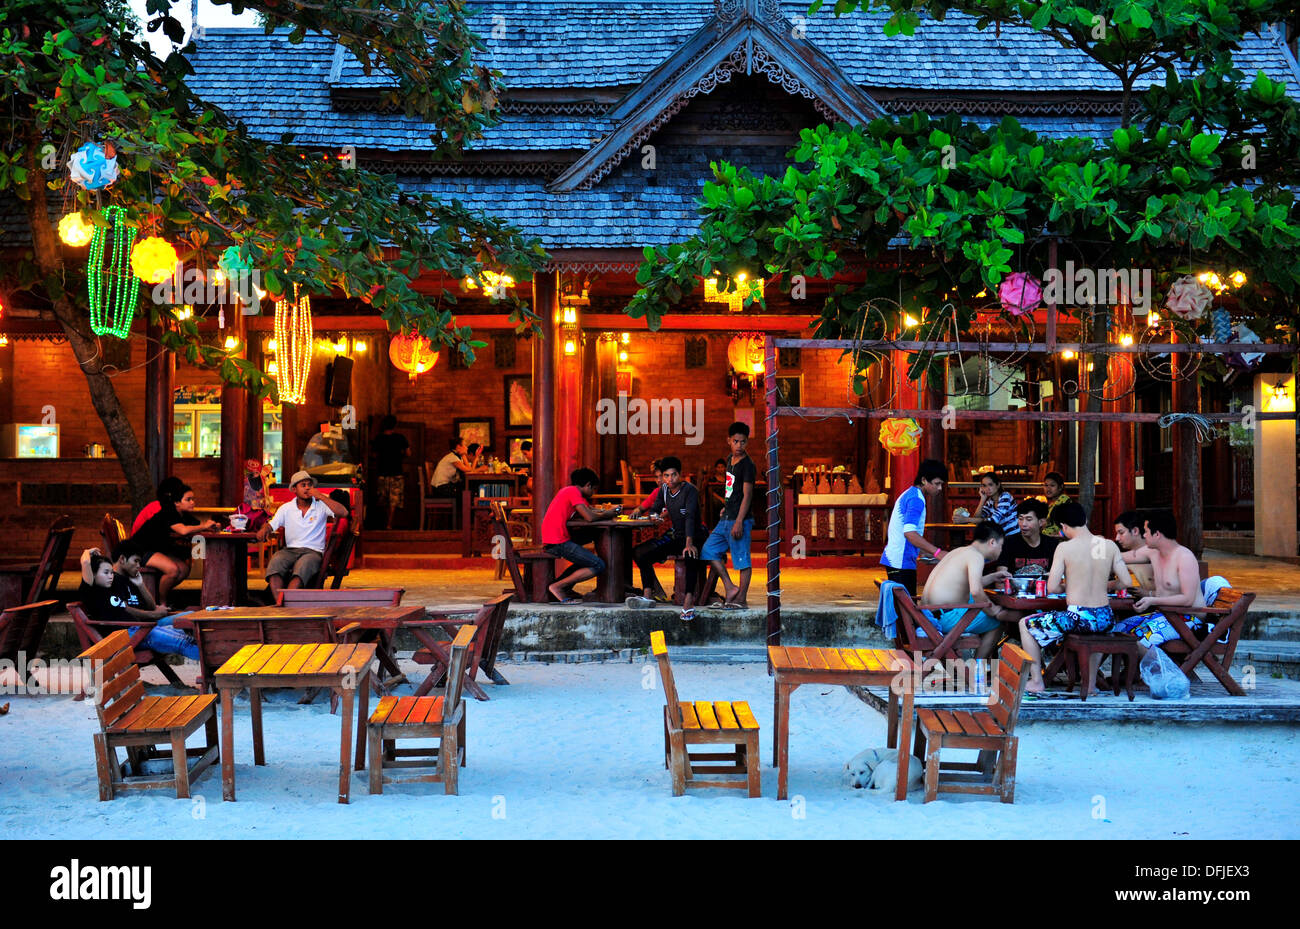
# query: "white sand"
[[575, 751]]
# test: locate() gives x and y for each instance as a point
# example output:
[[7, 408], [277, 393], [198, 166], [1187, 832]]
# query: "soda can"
[[1040, 587], [1122, 592], [1007, 586]]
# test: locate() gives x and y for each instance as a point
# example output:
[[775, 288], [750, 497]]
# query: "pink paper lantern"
[[1020, 293], [1189, 298]]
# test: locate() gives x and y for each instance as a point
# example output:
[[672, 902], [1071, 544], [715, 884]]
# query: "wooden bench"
[[706, 723], [490, 620], [441, 718], [22, 627], [1225, 620], [89, 633], [128, 719], [990, 731], [303, 597], [1084, 651]]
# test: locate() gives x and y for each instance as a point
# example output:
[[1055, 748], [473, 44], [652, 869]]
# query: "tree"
[[1167, 191], [75, 72]]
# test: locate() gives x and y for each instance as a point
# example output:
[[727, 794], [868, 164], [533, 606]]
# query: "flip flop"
[[731, 606], [1049, 696], [638, 603], [661, 598], [570, 601], [688, 615]]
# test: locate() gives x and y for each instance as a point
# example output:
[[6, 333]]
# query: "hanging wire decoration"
[[113, 288], [293, 346], [1161, 366]]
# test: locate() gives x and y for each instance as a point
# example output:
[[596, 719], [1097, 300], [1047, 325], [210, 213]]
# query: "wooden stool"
[[1083, 649], [679, 580]]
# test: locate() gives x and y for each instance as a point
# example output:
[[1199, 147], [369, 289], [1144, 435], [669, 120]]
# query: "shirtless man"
[[1177, 583], [1128, 536], [959, 577], [1082, 565]]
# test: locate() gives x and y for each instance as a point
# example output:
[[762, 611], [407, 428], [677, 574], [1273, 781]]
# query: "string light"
[[112, 290], [735, 300], [293, 339]]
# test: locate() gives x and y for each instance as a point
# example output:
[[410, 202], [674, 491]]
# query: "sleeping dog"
[[877, 768]]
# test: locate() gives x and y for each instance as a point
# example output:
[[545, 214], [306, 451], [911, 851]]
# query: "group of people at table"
[[1010, 539]]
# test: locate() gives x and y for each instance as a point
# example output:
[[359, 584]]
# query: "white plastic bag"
[[1165, 679]]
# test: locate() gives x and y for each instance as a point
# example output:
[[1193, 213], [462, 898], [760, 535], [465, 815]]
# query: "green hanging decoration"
[[113, 289]]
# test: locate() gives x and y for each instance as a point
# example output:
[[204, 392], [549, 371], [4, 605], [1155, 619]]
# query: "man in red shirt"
[[576, 498]]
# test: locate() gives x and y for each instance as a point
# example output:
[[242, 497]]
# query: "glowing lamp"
[[570, 347], [622, 358], [293, 341], [75, 231], [1126, 339], [153, 260], [412, 353], [1067, 355], [745, 353], [900, 436], [231, 343], [359, 347], [626, 338]]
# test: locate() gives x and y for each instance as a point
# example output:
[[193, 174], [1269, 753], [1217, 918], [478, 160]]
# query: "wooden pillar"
[[569, 424], [546, 305], [903, 468], [7, 386], [159, 370], [933, 397], [1118, 462], [253, 425], [772, 504], [290, 444], [1187, 503], [234, 417]]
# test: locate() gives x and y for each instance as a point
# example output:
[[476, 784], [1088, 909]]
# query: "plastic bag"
[[1165, 679]]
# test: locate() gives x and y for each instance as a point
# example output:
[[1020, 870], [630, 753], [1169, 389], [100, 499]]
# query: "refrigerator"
[[29, 440]]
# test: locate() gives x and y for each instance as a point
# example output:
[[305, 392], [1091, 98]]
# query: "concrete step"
[[1270, 659]]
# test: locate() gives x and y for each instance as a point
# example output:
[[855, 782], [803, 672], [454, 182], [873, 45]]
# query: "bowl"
[[238, 522]]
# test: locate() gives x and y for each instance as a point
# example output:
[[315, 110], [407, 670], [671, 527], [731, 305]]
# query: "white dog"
[[877, 768]]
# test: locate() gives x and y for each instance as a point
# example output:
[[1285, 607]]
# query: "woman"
[[996, 505], [1053, 485], [474, 456], [165, 536]]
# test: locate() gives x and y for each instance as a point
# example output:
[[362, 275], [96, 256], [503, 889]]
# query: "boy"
[[735, 523], [114, 591], [1128, 536], [1029, 546], [960, 578], [905, 535], [681, 501], [1177, 583], [556, 539]]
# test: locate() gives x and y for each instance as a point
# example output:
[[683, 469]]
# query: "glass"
[[38, 441], [272, 441], [183, 435], [209, 435]]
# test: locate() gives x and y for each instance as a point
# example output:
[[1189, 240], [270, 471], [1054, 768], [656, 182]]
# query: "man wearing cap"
[[305, 523]]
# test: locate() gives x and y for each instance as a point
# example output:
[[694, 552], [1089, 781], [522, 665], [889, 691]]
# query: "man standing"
[[905, 536], [736, 522], [556, 537], [447, 475], [1128, 536], [960, 578], [1084, 562], [1029, 546], [304, 520], [1177, 584], [391, 449]]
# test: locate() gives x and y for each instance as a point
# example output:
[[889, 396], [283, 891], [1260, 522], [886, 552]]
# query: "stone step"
[[1270, 659]]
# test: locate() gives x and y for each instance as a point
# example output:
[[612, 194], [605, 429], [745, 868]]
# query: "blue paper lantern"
[[91, 168]]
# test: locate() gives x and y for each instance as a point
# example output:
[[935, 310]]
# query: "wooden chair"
[[128, 719], [21, 628], [490, 620], [990, 731], [338, 551], [89, 633], [303, 597], [532, 570], [432, 504], [628, 479], [916, 632], [112, 532], [518, 532], [441, 718], [44, 574], [1225, 619], [704, 723]]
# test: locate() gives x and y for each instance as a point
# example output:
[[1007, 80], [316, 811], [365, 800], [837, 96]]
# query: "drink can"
[[1007, 586], [1040, 587], [1122, 592]]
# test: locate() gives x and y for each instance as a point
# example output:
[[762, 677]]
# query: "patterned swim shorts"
[[391, 490], [1154, 630], [1049, 628]]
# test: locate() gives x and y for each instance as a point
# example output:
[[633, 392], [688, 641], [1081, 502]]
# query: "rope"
[[1204, 430]]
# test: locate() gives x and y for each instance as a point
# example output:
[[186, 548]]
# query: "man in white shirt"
[[447, 475], [305, 522]]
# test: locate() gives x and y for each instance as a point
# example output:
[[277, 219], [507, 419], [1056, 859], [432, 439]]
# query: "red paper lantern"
[[412, 353], [745, 352]]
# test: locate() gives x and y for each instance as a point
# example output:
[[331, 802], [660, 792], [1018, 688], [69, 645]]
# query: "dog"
[[877, 768]]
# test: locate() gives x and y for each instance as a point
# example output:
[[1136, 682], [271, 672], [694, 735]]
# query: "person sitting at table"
[[568, 544], [1177, 582], [1029, 546], [681, 501], [447, 480], [164, 538], [166, 487], [1083, 563], [960, 577], [904, 537], [474, 456], [114, 591], [1053, 485], [996, 505], [645, 505], [1128, 536], [304, 520]]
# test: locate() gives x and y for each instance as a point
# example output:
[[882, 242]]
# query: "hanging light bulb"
[[1125, 339]]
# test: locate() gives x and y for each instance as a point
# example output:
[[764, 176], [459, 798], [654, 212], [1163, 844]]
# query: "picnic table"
[[342, 668], [613, 544], [845, 667]]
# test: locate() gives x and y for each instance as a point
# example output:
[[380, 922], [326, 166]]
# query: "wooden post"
[[903, 468], [934, 397], [253, 426], [773, 498], [1187, 503], [234, 417], [546, 305], [568, 399], [158, 410], [290, 450]]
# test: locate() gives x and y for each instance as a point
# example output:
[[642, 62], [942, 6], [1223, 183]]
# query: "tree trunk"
[[85, 346], [1089, 381]]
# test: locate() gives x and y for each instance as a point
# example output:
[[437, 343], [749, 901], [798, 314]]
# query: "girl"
[[165, 537]]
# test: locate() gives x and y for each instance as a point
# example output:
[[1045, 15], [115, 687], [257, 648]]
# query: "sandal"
[[688, 615], [728, 605]]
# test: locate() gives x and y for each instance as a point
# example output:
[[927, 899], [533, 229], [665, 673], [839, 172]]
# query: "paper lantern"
[[232, 261], [293, 347], [111, 287], [153, 260], [1248, 360], [1020, 293], [92, 167], [745, 352], [1221, 325], [412, 353], [900, 436], [75, 231], [1188, 297]]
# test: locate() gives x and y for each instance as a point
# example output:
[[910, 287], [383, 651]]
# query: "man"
[[1128, 536], [681, 501], [447, 475], [904, 537], [735, 524], [304, 520], [1053, 496], [1085, 563], [1029, 546], [1177, 578], [391, 450], [557, 539], [114, 591], [960, 578]]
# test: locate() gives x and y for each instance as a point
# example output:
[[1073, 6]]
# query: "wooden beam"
[[773, 522], [1038, 348], [1103, 416]]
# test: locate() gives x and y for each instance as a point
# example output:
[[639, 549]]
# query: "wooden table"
[[225, 568], [1121, 606], [612, 546], [846, 667], [343, 668]]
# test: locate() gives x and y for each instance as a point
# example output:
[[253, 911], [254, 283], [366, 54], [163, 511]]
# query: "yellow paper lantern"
[[900, 436], [745, 352], [153, 260], [75, 231], [412, 353]]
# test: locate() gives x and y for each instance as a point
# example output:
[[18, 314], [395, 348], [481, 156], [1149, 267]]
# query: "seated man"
[[447, 477], [114, 591], [959, 577], [1084, 562], [304, 520], [1128, 536], [1177, 583], [1029, 546], [557, 539], [681, 501]]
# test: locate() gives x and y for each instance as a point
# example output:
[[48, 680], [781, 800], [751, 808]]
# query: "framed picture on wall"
[[519, 401], [789, 390], [474, 430], [514, 446]]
